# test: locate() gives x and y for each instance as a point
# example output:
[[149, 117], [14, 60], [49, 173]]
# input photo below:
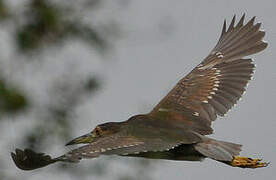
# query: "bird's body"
[[176, 128], [184, 152]]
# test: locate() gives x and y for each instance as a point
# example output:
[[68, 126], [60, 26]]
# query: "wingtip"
[[232, 24], [252, 20], [240, 23], [12, 155], [223, 28], [28, 159]]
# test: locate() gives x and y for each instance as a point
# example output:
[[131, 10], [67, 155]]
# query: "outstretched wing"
[[113, 145], [27, 159], [218, 82]]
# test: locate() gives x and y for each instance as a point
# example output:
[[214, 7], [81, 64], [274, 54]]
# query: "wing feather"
[[219, 81], [29, 160]]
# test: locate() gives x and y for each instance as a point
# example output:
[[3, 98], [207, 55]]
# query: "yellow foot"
[[246, 162]]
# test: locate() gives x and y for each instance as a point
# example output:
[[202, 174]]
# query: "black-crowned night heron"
[[176, 128]]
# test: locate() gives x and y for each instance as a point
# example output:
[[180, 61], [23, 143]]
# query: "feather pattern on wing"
[[116, 145], [218, 82]]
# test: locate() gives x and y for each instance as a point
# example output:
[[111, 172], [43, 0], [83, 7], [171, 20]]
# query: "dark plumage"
[[175, 129]]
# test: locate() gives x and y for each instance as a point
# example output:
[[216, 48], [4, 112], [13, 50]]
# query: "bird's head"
[[100, 131]]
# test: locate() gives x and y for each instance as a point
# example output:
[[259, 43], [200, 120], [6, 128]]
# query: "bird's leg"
[[246, 162]]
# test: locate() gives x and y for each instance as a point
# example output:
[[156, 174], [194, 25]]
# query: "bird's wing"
[[28, 159], [218, 82], [115, 145]]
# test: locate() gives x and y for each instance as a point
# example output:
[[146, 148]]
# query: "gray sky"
[[162, 41]]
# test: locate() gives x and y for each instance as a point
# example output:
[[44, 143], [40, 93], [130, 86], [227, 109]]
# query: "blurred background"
[[66, 66]]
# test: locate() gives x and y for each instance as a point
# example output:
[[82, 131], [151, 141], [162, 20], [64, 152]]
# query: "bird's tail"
[[227, 152], [218, 150]]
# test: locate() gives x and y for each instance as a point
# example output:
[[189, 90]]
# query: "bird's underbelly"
[[184, 152]]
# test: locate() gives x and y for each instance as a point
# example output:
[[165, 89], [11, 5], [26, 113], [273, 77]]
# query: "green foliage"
[[48, 23], [4, 11], [43, 24], [11, 99], [91, 84]]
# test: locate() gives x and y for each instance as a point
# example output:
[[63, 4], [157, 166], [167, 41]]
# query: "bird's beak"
[[85, 139]]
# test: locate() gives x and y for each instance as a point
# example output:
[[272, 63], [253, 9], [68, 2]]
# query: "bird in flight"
[[177, 126]]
